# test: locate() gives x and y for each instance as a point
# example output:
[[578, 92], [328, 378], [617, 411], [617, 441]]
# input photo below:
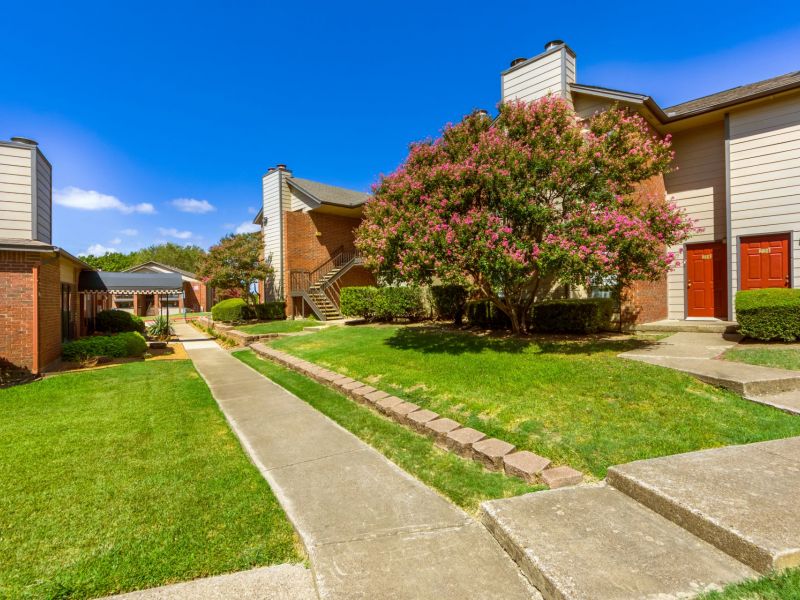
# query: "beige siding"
[[15, 192], [272, 227], [586, 106], [765, 174], [540, 77], [44, 201], [697, 184]]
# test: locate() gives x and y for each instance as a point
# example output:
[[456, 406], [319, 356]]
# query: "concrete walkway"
[[370, 529], [696, 354]]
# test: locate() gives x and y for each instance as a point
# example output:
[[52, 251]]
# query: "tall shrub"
[[449, 302], [769, 314], [118, 321]]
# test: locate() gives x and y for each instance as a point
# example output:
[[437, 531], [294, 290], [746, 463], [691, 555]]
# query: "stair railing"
[[301, 281]]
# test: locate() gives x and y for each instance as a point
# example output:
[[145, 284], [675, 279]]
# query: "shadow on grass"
[[439, 340]]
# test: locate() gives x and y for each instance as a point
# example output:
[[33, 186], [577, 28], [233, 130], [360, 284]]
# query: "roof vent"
[[481, 112], [516, 61], [26, 141], [281, 167], [553, 44]]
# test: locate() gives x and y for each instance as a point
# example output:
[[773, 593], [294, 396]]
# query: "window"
[[67, 314]]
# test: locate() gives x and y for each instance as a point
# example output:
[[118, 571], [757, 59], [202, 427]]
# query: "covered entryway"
[[706, 281], [765, 261]]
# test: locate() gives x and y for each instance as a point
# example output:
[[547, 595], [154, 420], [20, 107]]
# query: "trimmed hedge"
[[382, 304], [236, 310], [449, 302], [482, 313], [121, 345], [585, 315], [769, 314], [118, 321]]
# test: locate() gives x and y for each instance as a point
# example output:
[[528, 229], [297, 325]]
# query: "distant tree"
[[113, 261], [187, 258], [234, 265]]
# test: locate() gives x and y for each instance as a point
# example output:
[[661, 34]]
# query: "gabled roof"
[[328, 194], [130, 283], [163, 266], [727, 98]]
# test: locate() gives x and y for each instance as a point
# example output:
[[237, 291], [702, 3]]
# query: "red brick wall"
[[195, 300], [49, 312], [16, 307]]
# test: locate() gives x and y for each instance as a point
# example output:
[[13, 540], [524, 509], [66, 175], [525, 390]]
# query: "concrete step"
[[741, 499], [785, 401], [596, 543], [741, 378], [702, 326]]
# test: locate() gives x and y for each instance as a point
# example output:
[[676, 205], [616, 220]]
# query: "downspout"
[[35, 328]]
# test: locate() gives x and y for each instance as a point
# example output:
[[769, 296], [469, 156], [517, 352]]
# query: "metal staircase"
[[320, 288]]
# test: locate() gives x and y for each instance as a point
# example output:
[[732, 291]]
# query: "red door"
[[706, 281], [765, 261]]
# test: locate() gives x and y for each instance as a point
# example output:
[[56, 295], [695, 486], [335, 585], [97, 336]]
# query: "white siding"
[[15, 192], [541, 76], [272, 229], [765, 174], [44, 186], [697, 184]]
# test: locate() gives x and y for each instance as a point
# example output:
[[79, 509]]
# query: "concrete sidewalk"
[[697, 353], [370, 529]]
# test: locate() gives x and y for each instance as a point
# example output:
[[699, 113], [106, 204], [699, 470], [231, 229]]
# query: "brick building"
[[308, 229], [39, 301], [196, 296]]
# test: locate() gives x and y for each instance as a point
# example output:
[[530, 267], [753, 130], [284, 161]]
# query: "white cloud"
[[248, 227], [97, 250], [172, 232], [191, 205], [129, 231], [73, 197], [251, 210], [116, 241]]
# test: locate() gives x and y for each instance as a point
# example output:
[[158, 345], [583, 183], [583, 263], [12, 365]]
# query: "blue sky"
[[162, 117]]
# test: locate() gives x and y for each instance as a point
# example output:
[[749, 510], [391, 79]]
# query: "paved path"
[[282, 582], [696, 354], [370, 529]]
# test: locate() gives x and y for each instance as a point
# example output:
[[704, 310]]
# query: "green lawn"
[[463, 481], [572, 401], [780, 358], [126, 478], [287, 326], [783, 586]]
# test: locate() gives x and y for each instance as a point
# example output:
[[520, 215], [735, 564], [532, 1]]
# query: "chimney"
[[550, 72], [481, 112], [26, 141]]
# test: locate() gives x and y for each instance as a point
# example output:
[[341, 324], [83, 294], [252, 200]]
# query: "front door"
[[765, 261], [706, 281]]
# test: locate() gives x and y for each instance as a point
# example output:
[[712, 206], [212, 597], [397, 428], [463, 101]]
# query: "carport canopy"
[[107, 282]]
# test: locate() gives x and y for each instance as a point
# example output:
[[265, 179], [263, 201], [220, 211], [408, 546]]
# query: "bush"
[[588, 315], [769, 314], [118, 321], [236, 310], [382, 304], [358, 301], [449, 302], [270, 311], [483, 313], [130, 343]]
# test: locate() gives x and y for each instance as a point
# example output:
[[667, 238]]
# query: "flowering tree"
[[511, 205], [234, 264]]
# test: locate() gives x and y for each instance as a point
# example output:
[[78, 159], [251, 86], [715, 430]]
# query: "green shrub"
[[118, 321], [382, 304], [588, 315], [120, 345], [236, 310], [358, 301], [270, 311], [482, 313], [769, 314], [449, 302], [161, 328]]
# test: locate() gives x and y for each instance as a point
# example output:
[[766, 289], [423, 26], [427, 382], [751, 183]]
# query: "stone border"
[[236, 336], [492, 453]]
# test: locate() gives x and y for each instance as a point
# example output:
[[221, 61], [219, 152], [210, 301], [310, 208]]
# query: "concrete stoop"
[[688, 326], [669, 527], [785, 401]]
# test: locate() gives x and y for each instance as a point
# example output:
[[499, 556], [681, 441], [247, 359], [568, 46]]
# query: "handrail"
[[302, 281]]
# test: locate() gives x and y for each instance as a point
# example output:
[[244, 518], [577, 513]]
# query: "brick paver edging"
[[240, 338], [494, 454]]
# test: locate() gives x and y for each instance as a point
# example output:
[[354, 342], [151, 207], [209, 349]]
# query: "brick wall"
[[50, 312], [16, 307]]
